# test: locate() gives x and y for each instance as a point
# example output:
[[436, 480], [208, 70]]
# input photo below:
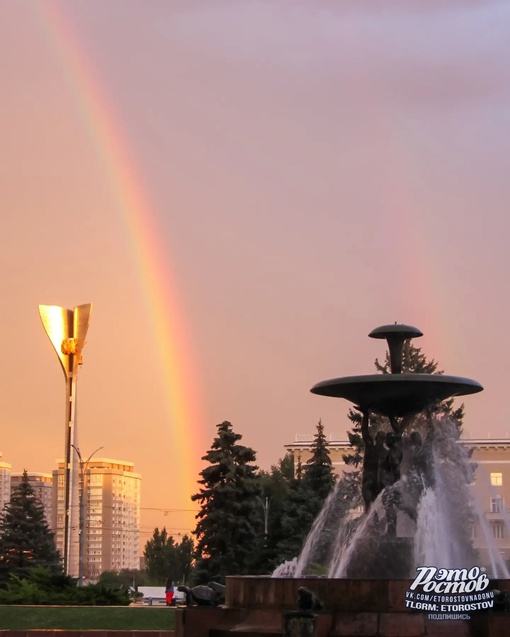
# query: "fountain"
[[414, 485], [391, 494]]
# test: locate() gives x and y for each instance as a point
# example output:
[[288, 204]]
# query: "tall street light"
[[81, 548], [66, 330]]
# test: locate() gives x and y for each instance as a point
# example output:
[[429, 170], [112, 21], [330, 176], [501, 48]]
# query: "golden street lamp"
[[66, 330]]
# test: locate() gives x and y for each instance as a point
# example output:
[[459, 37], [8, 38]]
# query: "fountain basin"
[[396, 394], [257, 606]]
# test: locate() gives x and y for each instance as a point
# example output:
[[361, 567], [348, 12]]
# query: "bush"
[[101, 595], [20, 591], [41, 586]]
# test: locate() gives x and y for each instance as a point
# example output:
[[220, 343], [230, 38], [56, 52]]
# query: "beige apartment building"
[[110, 515], [42, 484], [491, 487]]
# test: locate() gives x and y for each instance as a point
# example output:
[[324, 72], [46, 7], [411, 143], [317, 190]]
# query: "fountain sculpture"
[[399, 467], [416, 512]]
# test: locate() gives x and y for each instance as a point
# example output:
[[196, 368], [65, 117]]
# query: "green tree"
[[318, 470], [274, 487], [183, 563], [26, 540], [229, 519], [165, 559], [297, 519], [306, 496], [155, 553], [125, 578]]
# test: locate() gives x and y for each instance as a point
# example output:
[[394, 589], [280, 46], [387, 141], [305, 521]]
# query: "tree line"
[[249, 520]]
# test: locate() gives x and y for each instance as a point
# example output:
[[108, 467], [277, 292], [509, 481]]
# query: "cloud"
[[420, 52]]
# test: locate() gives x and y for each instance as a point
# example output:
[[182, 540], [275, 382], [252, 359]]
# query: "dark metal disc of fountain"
[[396, 394]]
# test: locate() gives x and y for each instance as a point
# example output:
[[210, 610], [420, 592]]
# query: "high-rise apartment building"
[[5, 483], [109, 517], [42, 484]]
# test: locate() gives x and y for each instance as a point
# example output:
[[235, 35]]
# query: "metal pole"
[[265, 508], [67, 470], [266, 516], [81, 547]]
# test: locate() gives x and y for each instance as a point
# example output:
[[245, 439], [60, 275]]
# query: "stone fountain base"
[[266, 607], [393, 558]]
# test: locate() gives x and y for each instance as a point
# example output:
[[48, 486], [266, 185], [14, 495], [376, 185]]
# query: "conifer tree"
[[319, 475], [229, 519], [306, 496], [297, 519], [26, 540]]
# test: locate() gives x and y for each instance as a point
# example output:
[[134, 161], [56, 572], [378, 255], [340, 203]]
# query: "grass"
[[87, 617]]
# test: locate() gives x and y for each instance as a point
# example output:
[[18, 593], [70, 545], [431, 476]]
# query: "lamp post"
[[81, 532], [67, 330], [265, 508]]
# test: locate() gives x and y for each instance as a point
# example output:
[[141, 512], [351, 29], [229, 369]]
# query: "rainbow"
[[159, 291]]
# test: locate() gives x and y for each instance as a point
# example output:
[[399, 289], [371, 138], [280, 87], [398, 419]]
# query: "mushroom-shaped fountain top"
[[396, 335], [396, 394]]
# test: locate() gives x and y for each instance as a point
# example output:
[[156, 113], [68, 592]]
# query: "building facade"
[[109, 515], [42, 484], [490, 489], [5, 482]]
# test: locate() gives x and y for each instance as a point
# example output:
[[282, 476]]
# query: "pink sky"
[[309, 170]]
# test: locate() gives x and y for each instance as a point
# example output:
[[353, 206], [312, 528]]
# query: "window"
[[498, 531], [497, 504], [496, 479]]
